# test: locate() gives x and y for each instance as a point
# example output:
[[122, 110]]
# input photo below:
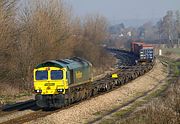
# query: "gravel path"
[[92, 108]]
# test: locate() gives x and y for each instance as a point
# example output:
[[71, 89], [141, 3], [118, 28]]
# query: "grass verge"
[[125, 116]]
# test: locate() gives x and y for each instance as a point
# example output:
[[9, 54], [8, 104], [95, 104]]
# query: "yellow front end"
[[50, 80]]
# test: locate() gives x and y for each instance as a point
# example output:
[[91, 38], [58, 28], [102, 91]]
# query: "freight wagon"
[[144, 52]]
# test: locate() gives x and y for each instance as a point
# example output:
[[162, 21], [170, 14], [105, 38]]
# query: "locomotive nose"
[[48, 88]]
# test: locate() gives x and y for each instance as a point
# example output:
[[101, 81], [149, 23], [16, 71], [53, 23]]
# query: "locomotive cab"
[[50, 80]]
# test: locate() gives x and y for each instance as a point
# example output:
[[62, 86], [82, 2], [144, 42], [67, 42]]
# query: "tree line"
[[164, 31], [169, 28]]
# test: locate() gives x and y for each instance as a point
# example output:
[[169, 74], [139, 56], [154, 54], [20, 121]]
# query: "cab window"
[[41, 75], [56, 74]]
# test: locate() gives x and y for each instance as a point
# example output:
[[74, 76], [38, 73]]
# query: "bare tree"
[[94, 34], [177, 27], [168, 27], [7, 36], [44, 30], [95, 28]]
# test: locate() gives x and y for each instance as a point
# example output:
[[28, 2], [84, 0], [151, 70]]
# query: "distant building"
[[129, 34], [121, 35]]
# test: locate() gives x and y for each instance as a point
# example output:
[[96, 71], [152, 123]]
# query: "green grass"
[[176, 68], [174, 65], [173, 50], [107, 121], [98, 113]]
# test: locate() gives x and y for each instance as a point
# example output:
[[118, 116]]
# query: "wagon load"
[[145, 52]]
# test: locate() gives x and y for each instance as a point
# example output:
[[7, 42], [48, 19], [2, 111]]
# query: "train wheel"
[[66, 102], [93, 92]]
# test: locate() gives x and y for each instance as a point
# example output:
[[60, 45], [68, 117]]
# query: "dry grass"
[[162, 110], [8, 90]]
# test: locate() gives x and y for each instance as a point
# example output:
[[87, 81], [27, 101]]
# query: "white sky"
[[116, 10]]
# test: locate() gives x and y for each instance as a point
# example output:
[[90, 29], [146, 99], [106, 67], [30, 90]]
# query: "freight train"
[[144, 52], [59, 83]]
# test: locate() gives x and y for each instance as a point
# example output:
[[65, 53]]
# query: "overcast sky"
[[118, 10]]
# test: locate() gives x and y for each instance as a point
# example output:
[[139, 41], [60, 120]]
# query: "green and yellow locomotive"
[[61, 82]]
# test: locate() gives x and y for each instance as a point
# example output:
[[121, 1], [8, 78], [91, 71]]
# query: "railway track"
[[17, 105], [45, 112], [128, 71], [15, 109]]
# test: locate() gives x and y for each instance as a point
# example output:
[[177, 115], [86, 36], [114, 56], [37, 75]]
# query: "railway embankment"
[[95, 109], [159, 106]]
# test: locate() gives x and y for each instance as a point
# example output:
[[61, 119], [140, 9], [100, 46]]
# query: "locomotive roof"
[[71, 63]]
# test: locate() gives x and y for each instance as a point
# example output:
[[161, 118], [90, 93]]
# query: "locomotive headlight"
[[38, 91], [60, 90]]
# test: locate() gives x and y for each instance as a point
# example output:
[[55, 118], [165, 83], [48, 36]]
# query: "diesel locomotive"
[[61, 82]]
